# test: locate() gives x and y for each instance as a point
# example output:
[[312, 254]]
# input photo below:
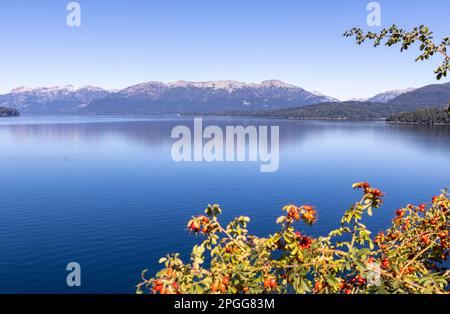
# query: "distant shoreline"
[[228, 116], [416, 123], [331, 119], [281, 118]]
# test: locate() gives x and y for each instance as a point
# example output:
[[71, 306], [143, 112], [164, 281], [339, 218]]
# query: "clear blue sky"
[[121, 43]]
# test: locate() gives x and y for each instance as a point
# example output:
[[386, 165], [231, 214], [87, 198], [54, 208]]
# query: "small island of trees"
[[8, 112]]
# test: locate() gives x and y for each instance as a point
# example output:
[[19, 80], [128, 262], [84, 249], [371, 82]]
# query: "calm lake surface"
[[104, 192]]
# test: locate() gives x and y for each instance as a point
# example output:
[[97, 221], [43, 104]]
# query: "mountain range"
[[389, 95], [211, 97], [161, 98], [384, 97], [434, 96], [51, 100]]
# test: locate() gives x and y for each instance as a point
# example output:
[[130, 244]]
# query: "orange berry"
[[272, 283], [226, 281], [158, 288], [318, 286], [425, 239]]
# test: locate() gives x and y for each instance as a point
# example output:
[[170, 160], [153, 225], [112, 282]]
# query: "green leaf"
[[162, 260]]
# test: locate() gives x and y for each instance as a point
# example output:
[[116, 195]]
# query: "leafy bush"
[[409, 257]]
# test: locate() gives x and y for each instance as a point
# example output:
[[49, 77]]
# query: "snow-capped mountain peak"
[[21, 89], [320, 94], [54, 89], [389, 95], [276, 84], [53, 99]]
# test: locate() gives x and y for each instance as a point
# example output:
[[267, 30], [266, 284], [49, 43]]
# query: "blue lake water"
[[105, 192]]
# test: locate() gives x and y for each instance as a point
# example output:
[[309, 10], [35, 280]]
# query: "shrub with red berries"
[[409, 257]]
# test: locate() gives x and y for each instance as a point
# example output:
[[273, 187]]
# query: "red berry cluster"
[[165, 286], [361, 185], [305, 212], [270, 283], [400, 213], [441, 202], [408, 270], [421, 207], [304, 242], [220, 285], [309, 215], [370, 193], [318, 286], [358, 281], [368, 189], [348, 286], [385, 263], [294, 213], [380, 238], [374, 192], [199, 224]]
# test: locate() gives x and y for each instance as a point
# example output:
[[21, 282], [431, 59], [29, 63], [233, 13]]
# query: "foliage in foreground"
[[394, 35], [409, 257]]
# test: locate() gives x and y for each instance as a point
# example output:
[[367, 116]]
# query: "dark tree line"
[[423, 116]]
